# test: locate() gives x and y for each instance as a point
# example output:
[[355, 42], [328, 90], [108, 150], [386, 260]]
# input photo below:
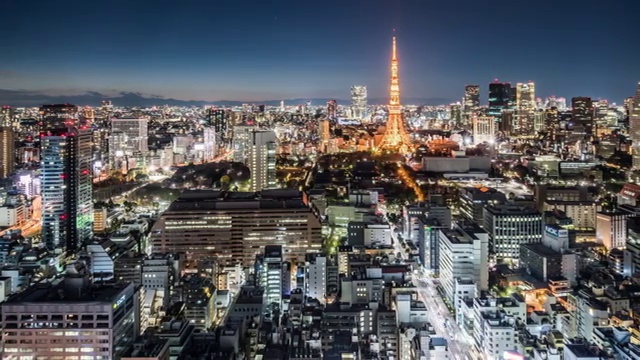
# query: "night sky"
[[278, 49]]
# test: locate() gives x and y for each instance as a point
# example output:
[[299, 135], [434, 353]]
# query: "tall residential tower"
[[67, 203]]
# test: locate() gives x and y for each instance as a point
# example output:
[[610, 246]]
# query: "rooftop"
[[198, 200]]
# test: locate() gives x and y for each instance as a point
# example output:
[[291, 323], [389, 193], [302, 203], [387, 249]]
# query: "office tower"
[[471, 98], [634, 127], [136, 133], [552, 122], [611, 229], [262, 160], [510, 226], [499, 98], [219, 120], [240, 142], [209, 142], [316, 277], [455, 113], [7, 151], [67, 205], [582, 114], [6, 116], [395, 138], [464, 255], [58, 116], [71, 319], [484, 129], [525, 105], [274, 273], [474, 199], [332, 109], [358, 101], [526, 96], [128, 143], [235, 228]]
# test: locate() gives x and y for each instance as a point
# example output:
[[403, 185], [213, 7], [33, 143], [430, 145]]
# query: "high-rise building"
[[332, 109], [236, 227], [464, 254], [6, 116], [57, 116], [316, 277], [395, 138], [552, 122], [219, 120], [510, 226], [499, 98], [358, 101], [128, 142], [634, 127], [241, 142], [582, 114], [273, 273], [471, 98], [262, 160], [611, 229], [484, 129], [526, 96], [7, 151], [67, 205], [525, 106], [71, 319]]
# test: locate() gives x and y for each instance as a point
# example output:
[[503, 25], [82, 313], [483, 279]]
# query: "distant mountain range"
[[22, 98]]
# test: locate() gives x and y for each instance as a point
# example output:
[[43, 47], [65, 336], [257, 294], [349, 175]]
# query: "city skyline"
[[197, 52]]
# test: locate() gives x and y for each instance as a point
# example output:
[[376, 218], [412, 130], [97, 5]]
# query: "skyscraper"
[[499, 98], [525, 106], [262, 160], [484, 129], [332, 109], [471, 98], [358, 101], [128, 142], [219, 120], [582, 114], [67, 206], [395, 138], [6, 116], [7, 149], [634, 127]]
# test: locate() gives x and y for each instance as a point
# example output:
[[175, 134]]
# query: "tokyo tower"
[[395, 138]]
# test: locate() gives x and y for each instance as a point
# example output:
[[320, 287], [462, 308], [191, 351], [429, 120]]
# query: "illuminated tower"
[[395, 138], [67, 187], [634, 127], [7, 149], [525, 106], [358, 101], [471, 98], [582, 114]]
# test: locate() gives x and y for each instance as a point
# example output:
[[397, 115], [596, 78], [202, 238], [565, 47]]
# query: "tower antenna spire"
[[395, 138]]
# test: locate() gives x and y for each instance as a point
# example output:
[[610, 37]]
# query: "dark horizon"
[[253, 51]]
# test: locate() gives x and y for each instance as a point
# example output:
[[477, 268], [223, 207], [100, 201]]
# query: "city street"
[[440, 317]]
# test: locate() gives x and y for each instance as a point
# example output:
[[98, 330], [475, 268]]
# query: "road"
[[440, 318]]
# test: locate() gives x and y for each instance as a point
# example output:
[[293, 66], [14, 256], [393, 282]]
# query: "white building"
[[261, 160], [12, 215], [359, 101], [316, 279], [464, 252], [510, 226], [484, 129], [634, 127], [240, 142], [128, 142], [273, 273], [611, 229], [363, 288]]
